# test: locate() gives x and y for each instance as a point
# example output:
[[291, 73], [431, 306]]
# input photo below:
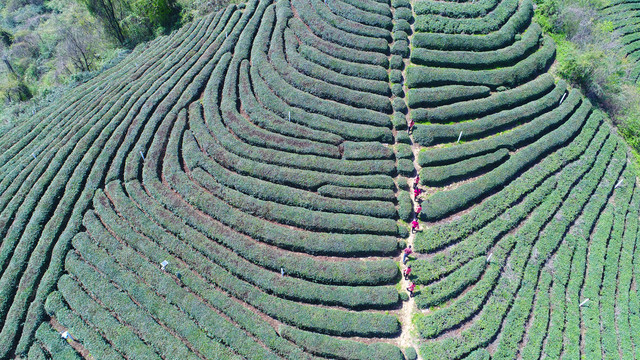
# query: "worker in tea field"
[[410, 289], [416, 182], [414, 225], [417, 192], [410, 127], [406, 253], [407, 272], [418, 210]]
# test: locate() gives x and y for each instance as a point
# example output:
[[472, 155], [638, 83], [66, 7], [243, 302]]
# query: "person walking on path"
[[407, 272], [410, 289], [417, 192], [418, 210], [414, 226], [415, 183], [406, 253], [410, 127]]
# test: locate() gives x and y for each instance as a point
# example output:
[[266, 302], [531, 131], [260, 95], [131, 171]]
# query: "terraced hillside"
[[625, 17], [244, 187]]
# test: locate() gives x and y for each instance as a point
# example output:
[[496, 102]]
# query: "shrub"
[[395, 77], [269, 281], [376, 7], [535, 183], [494, 123], [405, 167], [396, 62], [441, 175], [451, 286], [338, 64], [403, 151], [511, 140], [502, 57], [499, 39], [190, 191], [401, 3], [339, 13], [54, 344], [400, 35], [401, 47], [411, 352], [403, 137], [333, 34], [444, 203], [492, 21], [397, 90], [403, 13], [335, 49], [316, 71], [403, 231], [455, 9], [356, 193], [487, 105], [521, 72], [399, 106], [90, 338], [366, 150], [304, 316], [278, 71], [405, 206], [315, 121], [365, 13], [402, 25], [327, 346], [444, 95]]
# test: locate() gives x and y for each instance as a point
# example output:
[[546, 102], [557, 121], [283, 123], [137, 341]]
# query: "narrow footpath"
[[408, 167]]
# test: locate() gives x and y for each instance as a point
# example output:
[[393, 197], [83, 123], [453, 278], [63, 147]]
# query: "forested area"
[[47, 44], [596, 52]]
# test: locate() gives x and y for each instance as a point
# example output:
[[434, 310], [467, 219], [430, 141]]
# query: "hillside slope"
[[241, 189]]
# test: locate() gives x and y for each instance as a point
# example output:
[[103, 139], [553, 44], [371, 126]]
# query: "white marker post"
[[282, 272], [141, 154], [618, 184], [459, 137], [563, 96], [34, 156], [582, 303], [289, 116], [65, 335], [489, 258], [164, 264]]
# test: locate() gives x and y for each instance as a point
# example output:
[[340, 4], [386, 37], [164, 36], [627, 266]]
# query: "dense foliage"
[[243, 187]]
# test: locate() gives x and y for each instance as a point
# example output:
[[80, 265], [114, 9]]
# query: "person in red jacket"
[[406, 253], [410, 127], [418, 210], [417, 192], [407, 272], [410, 289], [415, 183], [414, 225]]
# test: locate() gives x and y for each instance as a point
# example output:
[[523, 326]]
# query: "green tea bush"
[[323, 345], [493, 41], [441, 175]]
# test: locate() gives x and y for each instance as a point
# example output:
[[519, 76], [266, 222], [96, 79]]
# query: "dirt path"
[[408, 335]]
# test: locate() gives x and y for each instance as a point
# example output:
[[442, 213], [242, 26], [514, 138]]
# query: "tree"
[[78, 45], [133, 21], [110, 12]]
